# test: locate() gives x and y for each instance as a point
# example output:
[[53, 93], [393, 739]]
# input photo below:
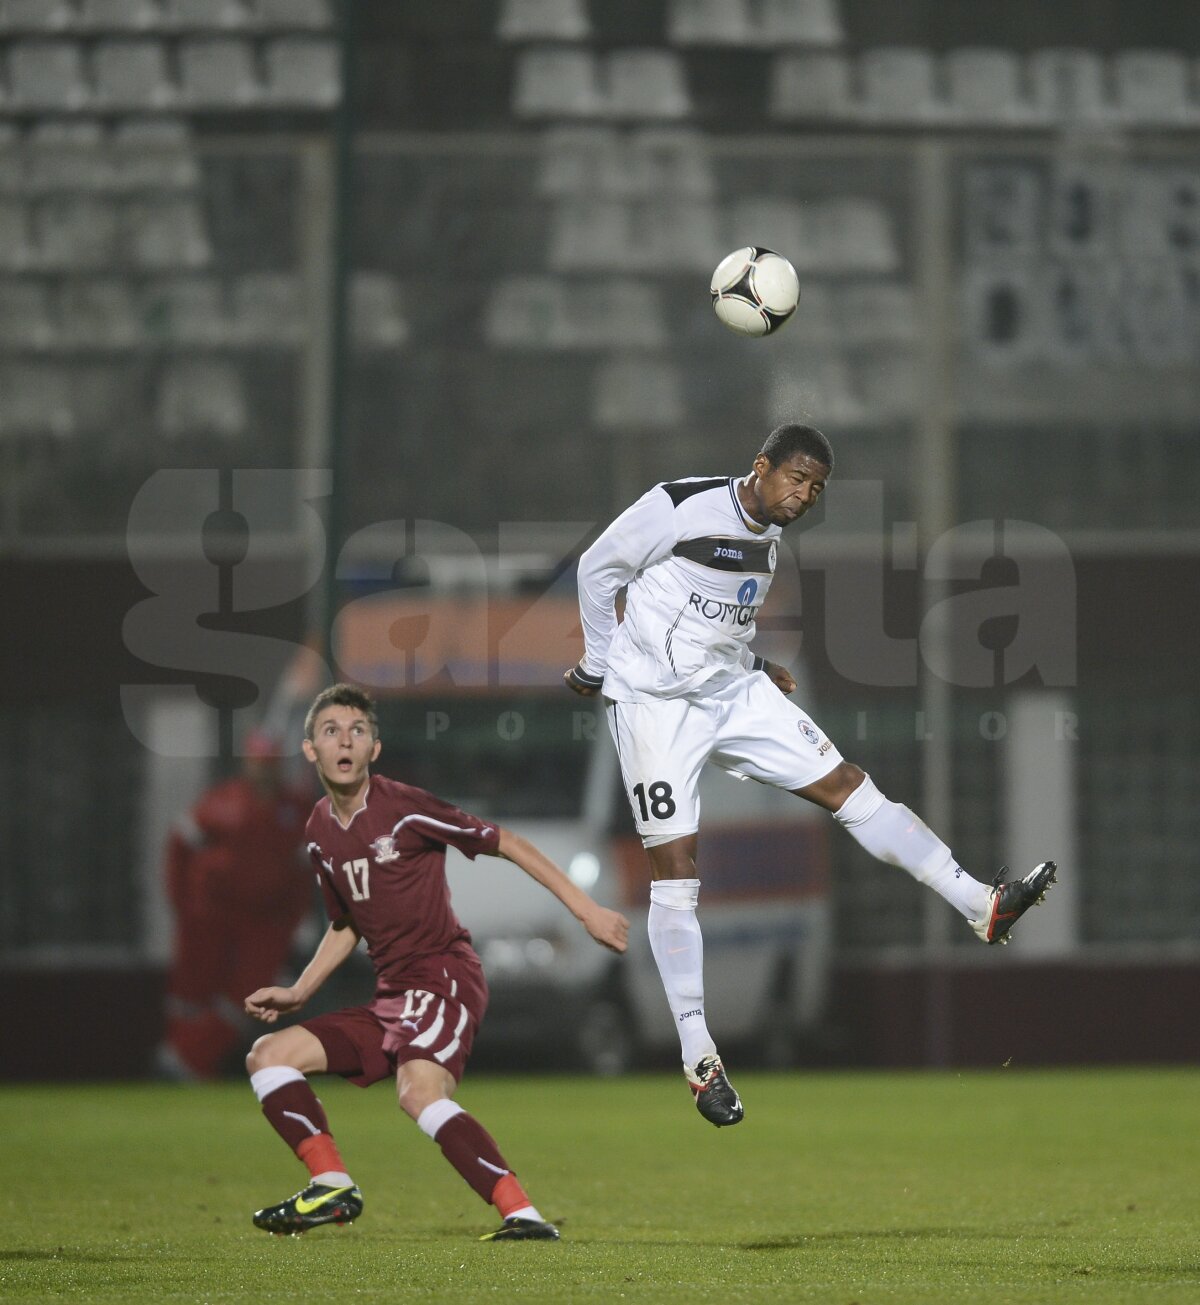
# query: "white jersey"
[[697, 569]]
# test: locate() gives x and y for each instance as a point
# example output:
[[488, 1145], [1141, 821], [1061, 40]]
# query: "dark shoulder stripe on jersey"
[[682, 489], [728, 554], [747, 521]]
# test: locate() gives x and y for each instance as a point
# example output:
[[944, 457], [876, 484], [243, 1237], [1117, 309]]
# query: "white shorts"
[[747, 727]]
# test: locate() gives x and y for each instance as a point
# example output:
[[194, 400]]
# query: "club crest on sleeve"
[[384, 848], [809, 733]]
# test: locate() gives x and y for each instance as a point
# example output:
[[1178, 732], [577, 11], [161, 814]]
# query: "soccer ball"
[[754, 290]]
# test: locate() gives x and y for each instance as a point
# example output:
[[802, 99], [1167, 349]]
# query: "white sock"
[[435, 1114], [678, 948], [891, 833], [265, 1081], [333, 1178], [527, 1212]]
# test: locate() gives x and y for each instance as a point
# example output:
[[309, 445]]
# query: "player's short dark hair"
[[787, 441], [341, 695]]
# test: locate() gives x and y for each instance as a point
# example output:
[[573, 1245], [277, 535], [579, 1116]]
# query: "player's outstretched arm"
[[609, 928], [267, 1004]]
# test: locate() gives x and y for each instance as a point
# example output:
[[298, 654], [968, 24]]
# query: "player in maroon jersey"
[[379, 848], [236, 885]]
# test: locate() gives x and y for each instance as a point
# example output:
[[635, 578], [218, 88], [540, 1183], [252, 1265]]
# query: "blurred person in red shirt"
[[239, 884]]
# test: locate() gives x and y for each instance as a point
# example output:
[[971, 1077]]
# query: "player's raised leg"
[[277, 1064], [425, 1090], [894, 834]]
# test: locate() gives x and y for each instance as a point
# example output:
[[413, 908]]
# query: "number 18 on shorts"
[[747, 726]]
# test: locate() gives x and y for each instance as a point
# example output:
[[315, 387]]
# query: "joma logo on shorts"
[[715, 610]]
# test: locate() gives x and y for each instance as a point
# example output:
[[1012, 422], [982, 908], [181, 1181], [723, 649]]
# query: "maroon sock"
[[470, 1149], [294, 1112]]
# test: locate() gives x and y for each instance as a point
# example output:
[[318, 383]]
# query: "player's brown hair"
[[341, 695]]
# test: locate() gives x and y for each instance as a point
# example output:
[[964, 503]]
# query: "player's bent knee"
[[419, 1083], [832, 790], [272, 1050], [260, 1055]]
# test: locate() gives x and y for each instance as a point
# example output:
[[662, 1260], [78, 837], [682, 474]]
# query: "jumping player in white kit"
[[682, 687]]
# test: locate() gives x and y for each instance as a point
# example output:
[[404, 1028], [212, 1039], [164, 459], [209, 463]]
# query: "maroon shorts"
[[436, 1019]]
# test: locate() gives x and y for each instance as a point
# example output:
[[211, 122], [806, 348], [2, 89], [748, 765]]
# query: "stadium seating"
[[766, 23], [543, 20], [161, 233], [898, 86], [293, 15], [811, 85], [35, 399], [217, 73], [187, 311], [132, 75], [68, 155], [303, 71], [201, 397], [377, 312], [35, 15], [986, 87], [154, 154], [98, 314], [800, 22], [647, 84], [557, 83], [73, 233], [204, 15], [117, 15], [16, 249], [1152, 88], [25, 320], [46, 75], [638, 394], [1069, 85], [710, 22]]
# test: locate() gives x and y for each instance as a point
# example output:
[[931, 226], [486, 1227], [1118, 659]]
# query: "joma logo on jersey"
[[735, 553], [714, 610]]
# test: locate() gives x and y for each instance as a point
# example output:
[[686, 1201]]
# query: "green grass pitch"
[[1004, 1186]]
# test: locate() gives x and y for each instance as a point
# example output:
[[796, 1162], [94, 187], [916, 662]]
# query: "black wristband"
[[580, 676], [760, 664]]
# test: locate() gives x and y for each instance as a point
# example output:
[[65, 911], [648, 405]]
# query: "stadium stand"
[[543, 20], [604, 157], [985, 87], [808, 86], [898, 86], [1069, 86], [1152, 88]]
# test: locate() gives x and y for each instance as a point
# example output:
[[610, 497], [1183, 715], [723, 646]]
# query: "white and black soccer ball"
[[754, 290]]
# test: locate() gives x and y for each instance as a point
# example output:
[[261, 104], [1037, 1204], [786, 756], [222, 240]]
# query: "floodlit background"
[[329, 335]]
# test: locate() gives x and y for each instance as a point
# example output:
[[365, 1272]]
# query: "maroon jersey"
[[240, 849], [387, 871]]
